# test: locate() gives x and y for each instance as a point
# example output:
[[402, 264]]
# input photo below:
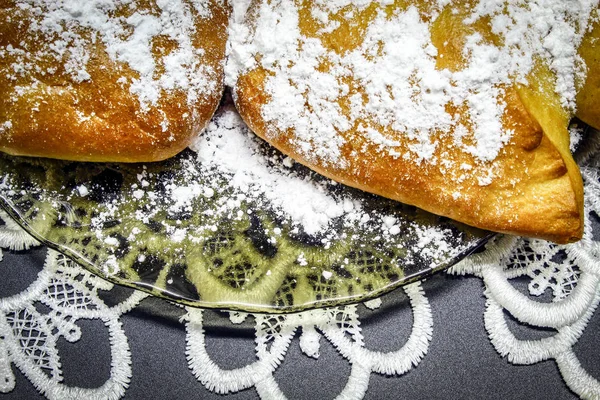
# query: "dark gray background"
[[461, 362]]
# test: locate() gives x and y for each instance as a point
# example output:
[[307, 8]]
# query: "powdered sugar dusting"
[[390, 83], [230, 153], [547, 29], [232, 149], [127, 34]]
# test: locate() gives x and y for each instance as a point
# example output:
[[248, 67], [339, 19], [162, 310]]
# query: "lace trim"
[[341, 326], [29, 337]]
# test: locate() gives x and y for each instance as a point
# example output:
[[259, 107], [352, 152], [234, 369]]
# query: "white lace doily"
[[571, 274]]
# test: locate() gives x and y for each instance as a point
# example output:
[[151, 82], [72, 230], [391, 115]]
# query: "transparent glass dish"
[[161, 227]]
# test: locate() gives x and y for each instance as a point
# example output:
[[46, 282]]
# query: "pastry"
[[110, 80], [588, 97], [459, 108]]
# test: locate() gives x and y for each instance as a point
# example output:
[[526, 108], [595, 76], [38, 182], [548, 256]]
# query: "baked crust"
[[536, 189], [588, 97], [48, 109]]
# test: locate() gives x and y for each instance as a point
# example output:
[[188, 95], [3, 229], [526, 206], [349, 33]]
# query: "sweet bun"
[[588, 97], [124, 81], [454, 109]]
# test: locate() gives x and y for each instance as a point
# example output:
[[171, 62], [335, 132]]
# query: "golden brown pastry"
[[461, 110], [588, 98], [114, 80]]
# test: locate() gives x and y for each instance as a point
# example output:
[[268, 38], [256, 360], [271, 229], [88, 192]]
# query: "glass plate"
[[205, 233]]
